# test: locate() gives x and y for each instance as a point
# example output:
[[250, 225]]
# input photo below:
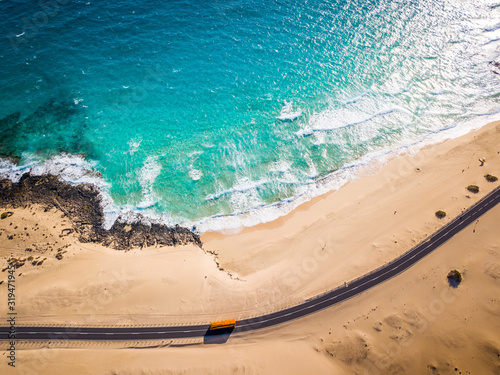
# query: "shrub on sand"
[[473, 189], [440, 214], [454, 277], [490, 178]]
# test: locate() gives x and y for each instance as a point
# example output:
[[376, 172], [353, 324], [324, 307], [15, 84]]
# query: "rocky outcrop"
[[82, 205]]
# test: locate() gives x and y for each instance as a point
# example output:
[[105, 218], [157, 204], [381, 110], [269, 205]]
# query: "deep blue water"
[[194, 112]]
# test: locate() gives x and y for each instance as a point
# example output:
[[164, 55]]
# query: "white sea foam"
[[241, 200], [356, 98], [333, 119], [195, 174], [12, 171], [70, 168], [283, 171], [75, 169], [280, 166], [288, 113], [134, 145], [243, 185], [371, 162], [147, 176], [312, 168]]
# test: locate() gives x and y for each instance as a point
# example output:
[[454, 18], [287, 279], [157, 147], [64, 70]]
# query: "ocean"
[[222, 114]]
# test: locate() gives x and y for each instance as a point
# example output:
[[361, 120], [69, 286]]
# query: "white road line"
[[457, 224], [441, 236]]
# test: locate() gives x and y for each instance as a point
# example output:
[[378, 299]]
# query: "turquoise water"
[[223, 113]]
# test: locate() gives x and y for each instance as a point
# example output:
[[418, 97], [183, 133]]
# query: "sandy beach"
[[413, 324]]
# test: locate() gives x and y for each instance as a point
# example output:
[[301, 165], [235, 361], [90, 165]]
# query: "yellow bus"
[[223, 324]]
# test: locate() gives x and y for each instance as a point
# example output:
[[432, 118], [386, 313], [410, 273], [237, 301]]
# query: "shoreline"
[[368, 165], [370, 221], [325, 242], [369, 169], [82, 205], [406, 162], [378, 203], [235, 222]]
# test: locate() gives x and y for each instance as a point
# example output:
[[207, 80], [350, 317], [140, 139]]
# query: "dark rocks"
[[126, 236], [81, 205], [496, 67]]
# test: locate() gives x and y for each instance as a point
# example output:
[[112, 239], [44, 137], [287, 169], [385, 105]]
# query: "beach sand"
[[413, 324]]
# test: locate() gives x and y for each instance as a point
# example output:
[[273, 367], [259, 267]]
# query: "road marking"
[[396, 266], [455, 225]]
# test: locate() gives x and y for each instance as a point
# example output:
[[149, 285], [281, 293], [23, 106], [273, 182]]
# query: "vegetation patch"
[[440, 214], [14, 262], [454, 278], [60, 254], [473, 189], [66, 232], [490, 178], [7, 214], [40, 262]]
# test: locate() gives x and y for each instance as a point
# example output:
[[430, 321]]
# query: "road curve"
[[312, 305]]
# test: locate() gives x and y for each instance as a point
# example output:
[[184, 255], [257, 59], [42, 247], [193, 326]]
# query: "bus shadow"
[[217, 336]]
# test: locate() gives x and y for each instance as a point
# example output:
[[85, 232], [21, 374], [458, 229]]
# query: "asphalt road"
[[312, 305]]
